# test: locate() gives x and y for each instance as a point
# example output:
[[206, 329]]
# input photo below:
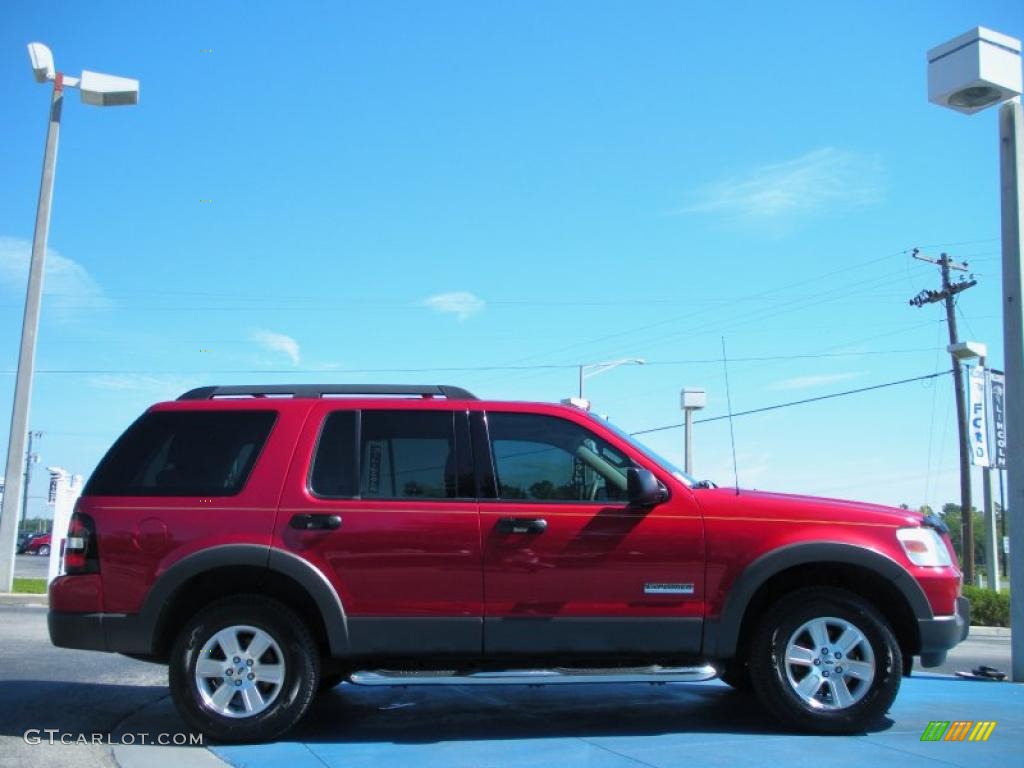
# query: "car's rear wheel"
[[825, 660], [244, 669], [43, 550]]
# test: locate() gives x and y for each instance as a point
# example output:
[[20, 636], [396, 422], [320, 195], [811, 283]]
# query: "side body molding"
[[721, 637], [311, 579]]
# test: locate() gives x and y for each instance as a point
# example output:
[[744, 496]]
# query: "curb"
[[989, 632], [17, 598], [157, 717]]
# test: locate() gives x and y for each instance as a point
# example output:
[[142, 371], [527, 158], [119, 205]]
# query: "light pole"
[[590, 370], [690, 399], [968, 74], [99, 90]]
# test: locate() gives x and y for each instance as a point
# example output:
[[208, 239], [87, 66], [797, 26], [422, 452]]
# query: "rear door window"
[[183, 453], [408, 455]]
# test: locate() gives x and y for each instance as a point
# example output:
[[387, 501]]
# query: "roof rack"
[[324, 390]]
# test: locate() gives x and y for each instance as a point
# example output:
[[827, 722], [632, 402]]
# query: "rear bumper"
[[111, 632], [941, 633]]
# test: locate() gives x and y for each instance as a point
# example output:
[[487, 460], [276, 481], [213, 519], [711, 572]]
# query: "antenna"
[[732, 434]]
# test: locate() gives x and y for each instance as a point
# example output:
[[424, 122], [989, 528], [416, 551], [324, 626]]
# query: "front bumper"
[[941, 633]]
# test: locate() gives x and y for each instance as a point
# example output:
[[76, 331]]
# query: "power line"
[[462, 369], [797, 402]]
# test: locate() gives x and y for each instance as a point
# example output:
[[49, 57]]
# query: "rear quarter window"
[[183, 453]]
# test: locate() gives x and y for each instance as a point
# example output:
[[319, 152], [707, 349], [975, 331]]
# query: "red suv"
[[267, 543]]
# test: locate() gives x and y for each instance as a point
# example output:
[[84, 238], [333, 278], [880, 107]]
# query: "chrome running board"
[[559, 676]]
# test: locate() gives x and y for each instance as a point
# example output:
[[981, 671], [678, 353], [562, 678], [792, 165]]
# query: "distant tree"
[[953, 517], [36, 525]]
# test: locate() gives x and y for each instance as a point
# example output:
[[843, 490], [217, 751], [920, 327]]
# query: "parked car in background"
[[24, 539], [39, 545]]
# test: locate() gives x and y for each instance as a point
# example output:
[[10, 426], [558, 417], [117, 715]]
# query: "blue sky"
[[369, 192]]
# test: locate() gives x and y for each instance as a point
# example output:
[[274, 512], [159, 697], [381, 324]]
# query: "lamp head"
[[42, 62], [108, 90], [974, 71], [693, 398]]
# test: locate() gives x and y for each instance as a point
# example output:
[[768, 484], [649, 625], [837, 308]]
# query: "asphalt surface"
[[31, 566], [81, 693], [85, 693]]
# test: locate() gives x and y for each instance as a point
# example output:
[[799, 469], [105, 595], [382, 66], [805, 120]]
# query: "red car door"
[[569, 565], [381, 499]]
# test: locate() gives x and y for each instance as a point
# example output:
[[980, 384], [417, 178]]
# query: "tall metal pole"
[[688, 429], [581, 381], [1002, 521], [991, 538], [27, 355], [1011, 172], [967, 523]]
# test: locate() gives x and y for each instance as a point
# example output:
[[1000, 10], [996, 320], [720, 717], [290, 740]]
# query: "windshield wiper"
[[705, 484]]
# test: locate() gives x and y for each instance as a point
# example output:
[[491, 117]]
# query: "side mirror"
[[643, 488]]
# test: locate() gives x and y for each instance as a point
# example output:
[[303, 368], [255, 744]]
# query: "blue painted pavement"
[[626, 726]]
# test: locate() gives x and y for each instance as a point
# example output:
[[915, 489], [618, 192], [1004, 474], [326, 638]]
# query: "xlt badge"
[[668, 589]]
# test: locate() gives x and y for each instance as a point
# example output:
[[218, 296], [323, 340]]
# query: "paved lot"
[[627, 726], [31, 566], [78, 692], [82, 693]]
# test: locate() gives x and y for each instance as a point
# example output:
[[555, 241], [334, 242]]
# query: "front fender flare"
[[721, 637]]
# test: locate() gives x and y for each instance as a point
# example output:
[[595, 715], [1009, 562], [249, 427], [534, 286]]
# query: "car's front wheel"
[[825, 660], [244, 669], [44, 551]]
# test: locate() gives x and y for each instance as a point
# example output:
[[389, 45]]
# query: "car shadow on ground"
[[432, 714], [75, 709]]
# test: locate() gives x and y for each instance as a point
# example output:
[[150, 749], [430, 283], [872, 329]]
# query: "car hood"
[[763, 504]]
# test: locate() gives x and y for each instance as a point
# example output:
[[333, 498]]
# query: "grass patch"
[[30, 586]]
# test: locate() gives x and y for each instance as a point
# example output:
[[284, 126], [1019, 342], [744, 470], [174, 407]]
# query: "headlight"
[[924, 546]]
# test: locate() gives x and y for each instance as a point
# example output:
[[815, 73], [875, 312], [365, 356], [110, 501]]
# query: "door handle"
[[522, 525], [311, 522]]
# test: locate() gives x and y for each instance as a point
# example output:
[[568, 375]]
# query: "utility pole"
[[30, 459], [949, 290]]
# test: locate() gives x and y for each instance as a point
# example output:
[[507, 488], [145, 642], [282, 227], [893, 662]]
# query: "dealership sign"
[[977, 418], [997, 382], [986, 418]]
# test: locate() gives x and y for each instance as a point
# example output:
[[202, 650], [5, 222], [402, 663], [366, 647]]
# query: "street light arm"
[[599, 368]]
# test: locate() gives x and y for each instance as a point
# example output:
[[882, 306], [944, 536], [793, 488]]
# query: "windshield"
[[654, 456]]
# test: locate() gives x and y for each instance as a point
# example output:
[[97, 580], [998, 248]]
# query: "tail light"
[[81, 552]]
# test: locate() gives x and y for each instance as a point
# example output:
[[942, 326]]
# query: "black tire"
[[301, 669], [43, 551], [328, 681], [770, 674], [736, 674]]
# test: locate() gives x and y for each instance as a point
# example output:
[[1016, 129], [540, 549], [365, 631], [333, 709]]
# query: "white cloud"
[[810, 183], [275, 342], [807, 382], [278, 342], [462, 304], [159, 387], [67, 285]]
